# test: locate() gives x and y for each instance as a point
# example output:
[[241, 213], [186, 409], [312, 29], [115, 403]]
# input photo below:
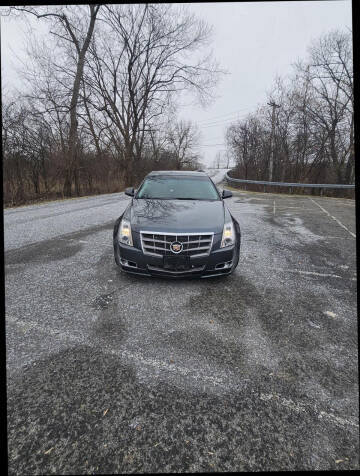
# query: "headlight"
[[228, 236], [124, 233]]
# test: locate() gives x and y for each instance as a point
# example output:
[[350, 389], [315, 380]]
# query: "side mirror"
[[130, 191], [226, 194]]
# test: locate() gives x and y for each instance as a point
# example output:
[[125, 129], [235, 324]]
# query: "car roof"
[[178, 172]]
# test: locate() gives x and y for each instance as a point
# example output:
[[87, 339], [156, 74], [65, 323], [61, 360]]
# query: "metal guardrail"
[[289, 184]]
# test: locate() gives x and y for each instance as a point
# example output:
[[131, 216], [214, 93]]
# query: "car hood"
[[177, 215]]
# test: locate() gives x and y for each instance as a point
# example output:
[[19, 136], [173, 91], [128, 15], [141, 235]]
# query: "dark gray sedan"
[[177, 225]]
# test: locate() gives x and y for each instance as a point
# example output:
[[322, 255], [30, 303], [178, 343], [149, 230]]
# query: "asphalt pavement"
[[113, 373]]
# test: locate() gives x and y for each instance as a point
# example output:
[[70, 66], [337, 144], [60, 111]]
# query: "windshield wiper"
[[146, 197], [173, 198]]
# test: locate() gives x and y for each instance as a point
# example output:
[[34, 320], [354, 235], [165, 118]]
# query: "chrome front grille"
[[158, 244]]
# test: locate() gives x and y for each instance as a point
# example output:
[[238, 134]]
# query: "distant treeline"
[[307, 125], [33, 167]]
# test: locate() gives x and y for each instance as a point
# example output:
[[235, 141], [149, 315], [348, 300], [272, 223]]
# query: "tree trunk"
[[349, 172], [90, 182], [129, 166], [67, 183], [44, 175], [35, 181], [77, 181], [75, 96], [20, 192], [128, 176]]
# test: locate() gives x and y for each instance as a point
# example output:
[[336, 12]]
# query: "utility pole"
[[271, 164], [228, 160], [218, 159]]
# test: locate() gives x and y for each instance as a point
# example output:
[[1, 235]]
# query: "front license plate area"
[[177, 263]]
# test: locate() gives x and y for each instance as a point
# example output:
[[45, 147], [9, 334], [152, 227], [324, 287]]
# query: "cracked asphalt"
[[113, 373]]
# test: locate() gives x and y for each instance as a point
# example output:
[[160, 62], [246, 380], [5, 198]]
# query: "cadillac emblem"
[[176, 247]]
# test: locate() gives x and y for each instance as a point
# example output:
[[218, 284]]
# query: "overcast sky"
[[253, 41]]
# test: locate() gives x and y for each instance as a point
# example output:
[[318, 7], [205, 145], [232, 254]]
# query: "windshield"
[[181, 188]]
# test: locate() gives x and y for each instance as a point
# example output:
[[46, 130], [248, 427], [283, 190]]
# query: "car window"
[[182, 188]]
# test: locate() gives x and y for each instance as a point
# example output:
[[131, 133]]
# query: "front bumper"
[[132, 260]]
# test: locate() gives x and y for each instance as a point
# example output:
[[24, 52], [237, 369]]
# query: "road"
[[112, 373], [217, 175]]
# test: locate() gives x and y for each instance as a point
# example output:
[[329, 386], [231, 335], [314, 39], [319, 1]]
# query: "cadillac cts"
[[177, 225]]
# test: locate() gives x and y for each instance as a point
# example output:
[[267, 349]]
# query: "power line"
[[223, 121], [222, 115], [214, 139], [226, 121], [209, 145]]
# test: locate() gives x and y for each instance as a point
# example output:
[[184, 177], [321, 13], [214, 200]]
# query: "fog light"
[[129, 264], [220, 265], [225, 265]]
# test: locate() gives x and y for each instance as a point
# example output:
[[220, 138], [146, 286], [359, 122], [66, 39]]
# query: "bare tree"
[[100, 103], [137, 65], [183, 137], [313, 131], [67, 25], [329, 69], [245, 144]]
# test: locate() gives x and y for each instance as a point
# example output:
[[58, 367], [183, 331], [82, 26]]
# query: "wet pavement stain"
[[109, 329], [236, 291], [54, 249], [272, 220], [84, 408], [103, 301], [207, 345], [282, 324]]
